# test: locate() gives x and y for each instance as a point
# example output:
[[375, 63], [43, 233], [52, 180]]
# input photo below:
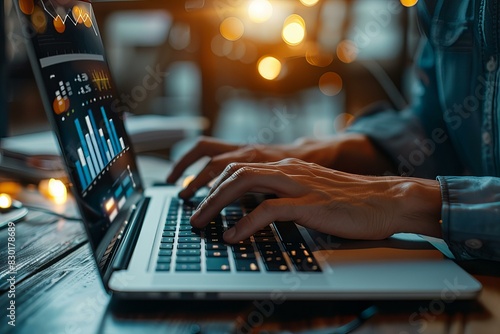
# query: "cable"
[[50, 212]]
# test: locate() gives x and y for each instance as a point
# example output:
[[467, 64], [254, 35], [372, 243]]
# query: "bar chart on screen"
[[98, 146]]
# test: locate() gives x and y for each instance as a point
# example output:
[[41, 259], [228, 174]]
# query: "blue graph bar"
[[93, 156], [115, 137], [82, 139], [110, 133], [98, 146], [93, 140], [100, 142], [79, 169]]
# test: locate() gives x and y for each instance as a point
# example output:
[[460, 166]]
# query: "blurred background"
[[259, 71]]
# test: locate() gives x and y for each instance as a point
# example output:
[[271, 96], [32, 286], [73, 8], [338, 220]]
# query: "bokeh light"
[[294, 30], [59, 24], [232, 28], [317, 57], [309, 3], [5, 201], [260, 10], [39, 20], [409, 3], [330, 83], [77, 14], [26, 6], [347, 51], [54, 189], [269, 67]]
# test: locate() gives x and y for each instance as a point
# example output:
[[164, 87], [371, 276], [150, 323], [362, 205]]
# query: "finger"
[[208, 173], [246, 179], [205, 147], [281, 209], [232, 168]]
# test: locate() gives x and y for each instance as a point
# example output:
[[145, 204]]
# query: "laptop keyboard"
[[278, 247]]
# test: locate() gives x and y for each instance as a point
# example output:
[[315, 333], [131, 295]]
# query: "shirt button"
[[474, 243], [486, 138]]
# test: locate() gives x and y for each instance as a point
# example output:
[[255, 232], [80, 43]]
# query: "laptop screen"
[[78, 93]]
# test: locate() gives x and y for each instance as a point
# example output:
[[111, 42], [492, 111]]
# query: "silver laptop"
[[141, 239]]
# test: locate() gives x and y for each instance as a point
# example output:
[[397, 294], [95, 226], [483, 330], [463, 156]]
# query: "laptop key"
[[188, 259], [163, 267], [215, 246], [216, 253], [188, 246], [167, 240], [244, 255], [168, 234], [165, 252], [169, 228], [246, 265], [189, 252], [188, 234], [189, 239], [164, 259], [166, 246], [217, 264], [188, 267]]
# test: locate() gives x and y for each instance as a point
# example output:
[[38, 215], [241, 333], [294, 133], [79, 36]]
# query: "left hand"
[[342, 204]]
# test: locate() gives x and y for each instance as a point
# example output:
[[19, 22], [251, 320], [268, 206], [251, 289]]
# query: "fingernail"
[[229, 234], [195, 215], [182, 194]]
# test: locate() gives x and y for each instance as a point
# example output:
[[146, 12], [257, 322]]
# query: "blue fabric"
[[451, 131]]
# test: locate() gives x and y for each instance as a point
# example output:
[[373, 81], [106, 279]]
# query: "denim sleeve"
[[471, 216], [415, 139]]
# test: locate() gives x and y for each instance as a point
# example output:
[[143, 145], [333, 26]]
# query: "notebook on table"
[[141, 239]]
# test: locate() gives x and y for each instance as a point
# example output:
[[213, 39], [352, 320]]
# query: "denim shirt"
[[451, 131]]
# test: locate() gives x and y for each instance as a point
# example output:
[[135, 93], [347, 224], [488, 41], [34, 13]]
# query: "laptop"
[[141, 239]]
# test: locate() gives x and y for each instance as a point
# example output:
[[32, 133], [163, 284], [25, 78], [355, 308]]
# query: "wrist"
[[420, 203]]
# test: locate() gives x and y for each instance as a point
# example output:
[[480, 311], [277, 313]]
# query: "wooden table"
[[58, 290]]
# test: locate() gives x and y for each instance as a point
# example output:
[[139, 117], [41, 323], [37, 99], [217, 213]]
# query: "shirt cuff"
[[470, 216]]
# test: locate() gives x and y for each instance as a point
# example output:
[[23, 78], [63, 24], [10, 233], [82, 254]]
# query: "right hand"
[[222, 154]]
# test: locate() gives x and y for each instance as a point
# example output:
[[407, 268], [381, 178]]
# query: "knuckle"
[[241, 172]]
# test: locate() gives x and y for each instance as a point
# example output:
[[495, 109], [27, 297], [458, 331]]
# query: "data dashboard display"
[[78, 91]]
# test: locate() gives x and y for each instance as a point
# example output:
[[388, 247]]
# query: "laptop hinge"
[[129, 240]]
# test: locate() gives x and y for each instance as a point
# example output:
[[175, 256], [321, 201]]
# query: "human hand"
[[329, 201], [222, 154], [349, 152]]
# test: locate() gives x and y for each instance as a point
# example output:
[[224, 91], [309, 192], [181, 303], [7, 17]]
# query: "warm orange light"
[[77, 14], [294, 30], [109, 205], [260, 10], [54, 190], [309, 3], [39, 20], [269, 67], [330, 83], [5, 201], [347, 51], [27, 6], [232, 28], [187, 180], [59, 25], [409, 3]]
